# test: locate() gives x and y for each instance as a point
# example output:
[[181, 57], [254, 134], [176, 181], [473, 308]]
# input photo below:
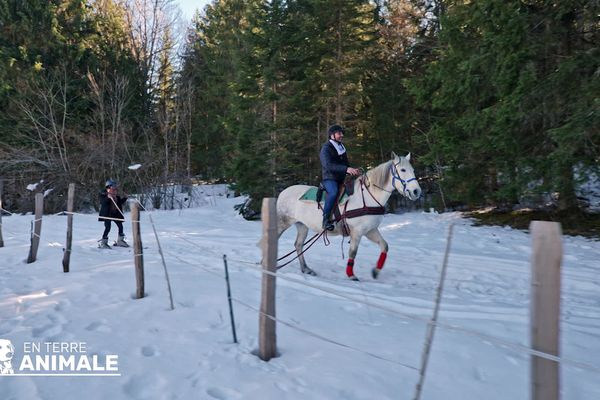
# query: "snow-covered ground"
[[188, 353]]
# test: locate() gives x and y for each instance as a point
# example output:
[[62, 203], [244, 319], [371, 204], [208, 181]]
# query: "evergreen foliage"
[[508, 92]]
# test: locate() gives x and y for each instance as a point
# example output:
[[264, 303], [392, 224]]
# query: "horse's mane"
[[379, 174]]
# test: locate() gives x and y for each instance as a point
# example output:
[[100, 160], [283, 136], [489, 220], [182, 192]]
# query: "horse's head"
[[403, 177]]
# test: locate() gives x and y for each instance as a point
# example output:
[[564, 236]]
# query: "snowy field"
[[188, 353]]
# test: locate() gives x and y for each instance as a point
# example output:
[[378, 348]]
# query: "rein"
[[314, 239], [117, 207]]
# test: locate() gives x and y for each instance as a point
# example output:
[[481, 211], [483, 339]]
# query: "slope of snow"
[[188, 353]]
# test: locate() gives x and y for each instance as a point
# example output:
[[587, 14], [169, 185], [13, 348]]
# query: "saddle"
[[346, 190]]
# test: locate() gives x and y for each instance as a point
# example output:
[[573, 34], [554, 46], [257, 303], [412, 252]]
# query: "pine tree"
[[165, 113]]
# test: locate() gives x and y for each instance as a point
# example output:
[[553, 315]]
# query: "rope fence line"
[[6, 211], [323, 338], [162, 256], [502, 268], [309, 333], [564, 312], [255, 264], [192, 243], [13, 233], [508, 268], [290, 325], [571, 275], [196, 265], [54, 244], [486, 337], [90, 215]]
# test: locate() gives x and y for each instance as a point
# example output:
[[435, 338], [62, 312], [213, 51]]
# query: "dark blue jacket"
[[108, 207], [333, 165]]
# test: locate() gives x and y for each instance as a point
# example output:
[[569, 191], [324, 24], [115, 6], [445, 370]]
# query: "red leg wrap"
[[381, 260], [350, 267]]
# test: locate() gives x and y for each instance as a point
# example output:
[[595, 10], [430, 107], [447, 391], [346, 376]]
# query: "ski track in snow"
[[188, 353]]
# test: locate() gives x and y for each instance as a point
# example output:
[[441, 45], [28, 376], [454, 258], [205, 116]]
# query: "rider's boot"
[[327, 224]]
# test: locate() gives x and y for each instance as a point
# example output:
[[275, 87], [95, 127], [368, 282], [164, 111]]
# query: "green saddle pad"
[[311, 195]]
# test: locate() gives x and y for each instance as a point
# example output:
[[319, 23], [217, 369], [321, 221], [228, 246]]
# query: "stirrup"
[[327, 224]]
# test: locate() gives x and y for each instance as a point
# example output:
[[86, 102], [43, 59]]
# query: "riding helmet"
[[110, 183], [335, 128]]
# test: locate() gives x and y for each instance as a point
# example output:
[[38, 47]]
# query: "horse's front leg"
[[300, 239], [354, 242], [375, 236]]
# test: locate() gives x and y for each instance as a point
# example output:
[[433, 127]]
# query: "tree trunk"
[[567, 199]]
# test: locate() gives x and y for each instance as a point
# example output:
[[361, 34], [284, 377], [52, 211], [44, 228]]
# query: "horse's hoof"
[[309, 271], [375, 272], [353, 278]]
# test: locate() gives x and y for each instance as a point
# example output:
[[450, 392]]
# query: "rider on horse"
[[335, 166]]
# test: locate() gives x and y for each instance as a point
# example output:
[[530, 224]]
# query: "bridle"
[[395, 177]]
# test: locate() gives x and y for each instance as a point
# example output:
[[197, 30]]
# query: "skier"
[[111, 206]]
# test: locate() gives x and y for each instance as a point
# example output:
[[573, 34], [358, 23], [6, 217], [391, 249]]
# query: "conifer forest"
[[498, 101]]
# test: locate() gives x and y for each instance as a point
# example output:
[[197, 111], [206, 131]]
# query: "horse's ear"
[[394, 156], [407, 157]]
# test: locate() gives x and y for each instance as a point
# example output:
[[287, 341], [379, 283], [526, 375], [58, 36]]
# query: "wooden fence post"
[[267, 344], [545, 308], [1, 193], [138, 252], [67, 250], [37, 231]]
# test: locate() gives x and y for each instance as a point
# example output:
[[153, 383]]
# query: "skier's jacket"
[[110, 209]]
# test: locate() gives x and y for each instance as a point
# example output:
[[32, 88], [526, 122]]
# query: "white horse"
[[372, 190]]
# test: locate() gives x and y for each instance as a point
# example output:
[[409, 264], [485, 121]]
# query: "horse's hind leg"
[[300, 238], [283, 223], [375, 236]]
